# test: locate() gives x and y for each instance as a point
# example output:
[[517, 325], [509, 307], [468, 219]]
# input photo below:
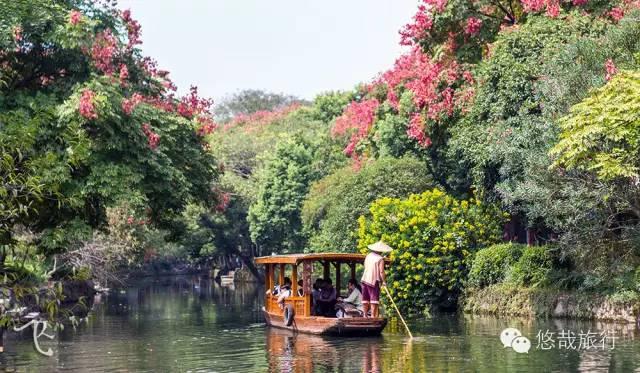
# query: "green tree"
[[601, 134], [88, 123], [251, 101], [334, 203], [274, 218]]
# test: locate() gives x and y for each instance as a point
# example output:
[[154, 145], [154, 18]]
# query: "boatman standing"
[[373, 277]]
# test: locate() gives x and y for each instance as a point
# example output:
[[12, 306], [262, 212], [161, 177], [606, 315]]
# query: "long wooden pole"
[[398, 311]]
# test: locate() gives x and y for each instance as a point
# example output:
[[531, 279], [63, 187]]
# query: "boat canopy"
[[298, 258]]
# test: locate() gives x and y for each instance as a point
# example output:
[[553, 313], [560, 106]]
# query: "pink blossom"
[[75, 17], [422, 23], [468, 77], [533, 5], [206, 125], [610, 69], [129, 104], [430, 81], [261, 118], [439, 5], [616, 13], [415, 130], [579, 2], [104, 49], [192, 104], [86, 106], [124, 74], [358, 116], [473, 26], [133, 29], [152, 137], [553, 8]]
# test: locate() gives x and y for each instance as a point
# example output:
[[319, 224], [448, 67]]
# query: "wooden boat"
[[297, 314]]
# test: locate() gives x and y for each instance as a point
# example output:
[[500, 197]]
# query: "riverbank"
[[505, 300]]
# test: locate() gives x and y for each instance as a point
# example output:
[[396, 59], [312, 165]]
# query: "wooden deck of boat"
[[347, 326]]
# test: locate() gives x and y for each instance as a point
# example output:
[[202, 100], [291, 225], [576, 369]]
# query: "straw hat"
[[380, 247]]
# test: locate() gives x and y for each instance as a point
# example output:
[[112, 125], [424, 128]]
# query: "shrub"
[[434, 236], [534, 267], [490, 265]]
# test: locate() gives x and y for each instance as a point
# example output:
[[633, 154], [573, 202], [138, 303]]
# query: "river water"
[[188, 324]]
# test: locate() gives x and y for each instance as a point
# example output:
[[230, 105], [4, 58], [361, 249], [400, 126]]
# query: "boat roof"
[[297, 258]]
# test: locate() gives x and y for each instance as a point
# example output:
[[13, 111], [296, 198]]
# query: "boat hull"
[[347, 326]]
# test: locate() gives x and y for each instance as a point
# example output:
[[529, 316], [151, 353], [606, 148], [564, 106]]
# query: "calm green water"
[[191, 325]]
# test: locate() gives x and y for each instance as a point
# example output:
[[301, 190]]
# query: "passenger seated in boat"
[[315, 295], [300, 288], [276, 289], [352, 304], [327, 299], [284, 291]]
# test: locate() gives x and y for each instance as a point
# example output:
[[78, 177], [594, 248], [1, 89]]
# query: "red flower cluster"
[[422, 23], [133, 29], [438, 5], [431, 82], [206, 125], [86, 107], [552, 6], [616, 14], [192, 104], [610, 69], [124, 74], [416, 130], [473, 26], [128, 104], [152, 137], [75, 17], [260, 118], [104, 49], [358, 116]]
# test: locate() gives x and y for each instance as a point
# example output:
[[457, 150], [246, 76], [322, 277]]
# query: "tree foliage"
[[88, 123], [274, 218], [251, 101], [601, 134], [334, 203]]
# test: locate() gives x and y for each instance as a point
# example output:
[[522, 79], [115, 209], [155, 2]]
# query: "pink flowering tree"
[[99, 126]]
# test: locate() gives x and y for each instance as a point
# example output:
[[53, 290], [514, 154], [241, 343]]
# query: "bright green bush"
[[434, 237], [491, 265], [533, 268], [602, 133], [332, 206]]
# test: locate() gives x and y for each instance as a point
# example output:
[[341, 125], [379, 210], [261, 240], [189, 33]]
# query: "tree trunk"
[[248, 261]]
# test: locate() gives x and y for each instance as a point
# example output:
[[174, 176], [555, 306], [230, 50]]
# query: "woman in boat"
[[284, 291], [352, 304]]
